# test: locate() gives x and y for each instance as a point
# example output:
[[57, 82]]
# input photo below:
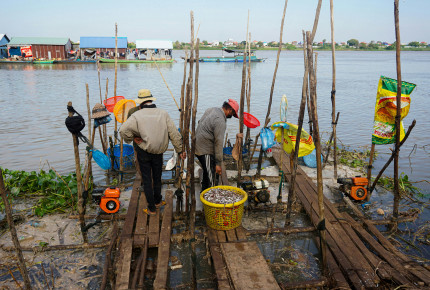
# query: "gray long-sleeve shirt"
[[210, 134]]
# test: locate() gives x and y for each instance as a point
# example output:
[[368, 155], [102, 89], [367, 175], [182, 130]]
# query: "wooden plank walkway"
[[238, 263], [357, 257], [139, 233]]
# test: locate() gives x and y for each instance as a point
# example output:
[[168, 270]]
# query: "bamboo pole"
[[397, 120], [193, 143], [90, 156], [100, 86], [89, 163], [121, 144], [189, 98], [79, 182], [333, 91], [177, 106], [305, 97], [329, 142], [116, 73], [266, 122], [242, 104], [179, 168], [291, 190], [12, 229], [391, 158], [248, 102], [104, 125], [317, 144]]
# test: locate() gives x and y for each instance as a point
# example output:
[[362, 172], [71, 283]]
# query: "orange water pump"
[[355, 186], [109, 200]]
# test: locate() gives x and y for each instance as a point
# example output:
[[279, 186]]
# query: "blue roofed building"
[[95, 47], [4, 40]]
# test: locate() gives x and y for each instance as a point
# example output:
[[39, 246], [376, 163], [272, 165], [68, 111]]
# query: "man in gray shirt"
[[210, 138]]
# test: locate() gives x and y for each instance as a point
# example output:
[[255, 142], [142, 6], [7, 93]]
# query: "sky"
[[216, 20]]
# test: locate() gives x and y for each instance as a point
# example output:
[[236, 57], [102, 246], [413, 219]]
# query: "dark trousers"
[[208, 165], [151, 166]]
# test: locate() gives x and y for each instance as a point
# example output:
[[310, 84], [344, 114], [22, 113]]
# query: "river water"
[[33, 101]]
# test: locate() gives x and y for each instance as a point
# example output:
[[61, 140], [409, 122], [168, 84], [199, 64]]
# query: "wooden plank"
[[247, 267], [154, 230], [370, 257], [399, 275], [128, 227], [219, 267], [241, 233], [141, 223], [418, 271], [160, 281], [221, 236], [212, 236], [123, 272], [231, 235]]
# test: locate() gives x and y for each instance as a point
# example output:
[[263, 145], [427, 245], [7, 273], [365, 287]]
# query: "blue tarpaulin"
[[15, 51], [102, 42]]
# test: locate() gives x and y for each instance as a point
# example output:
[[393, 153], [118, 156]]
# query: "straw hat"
[[99, 111], [144, 95]]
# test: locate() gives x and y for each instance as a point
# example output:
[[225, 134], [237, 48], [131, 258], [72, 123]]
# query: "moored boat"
[[237, 57], [108, 60], [50, 61]]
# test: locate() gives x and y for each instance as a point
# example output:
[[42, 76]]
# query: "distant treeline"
[[352, 44]]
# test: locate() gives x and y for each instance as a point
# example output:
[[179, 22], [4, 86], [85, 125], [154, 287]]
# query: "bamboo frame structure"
[[333, 92]]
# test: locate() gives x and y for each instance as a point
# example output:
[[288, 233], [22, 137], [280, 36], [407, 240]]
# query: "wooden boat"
[[237, 57], [15, 61], [108, 60], [44, 61], [78, 61]]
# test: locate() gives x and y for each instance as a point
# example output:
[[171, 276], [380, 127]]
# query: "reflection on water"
[[34, 100]]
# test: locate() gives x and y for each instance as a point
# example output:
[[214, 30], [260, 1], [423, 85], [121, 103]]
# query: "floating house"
[[158, 50], [40, 47], [96, 47], [4, 40]]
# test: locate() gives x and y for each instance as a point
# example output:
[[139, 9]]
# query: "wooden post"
[[90, 156], [369, 168], [79, 182], [269, 106], [12, 229], [121, 147], [116, 72], [100, 86], [193, 143], [242, 104], [317, 143], [333, 92], [397, 120]]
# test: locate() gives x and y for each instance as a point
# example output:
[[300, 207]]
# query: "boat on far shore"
[[109, 60], [237, 56]]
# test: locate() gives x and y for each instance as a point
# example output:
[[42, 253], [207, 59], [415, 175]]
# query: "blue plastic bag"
[[267, 138], [101, 159]]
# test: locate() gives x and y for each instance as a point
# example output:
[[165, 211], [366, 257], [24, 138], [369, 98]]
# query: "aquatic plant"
[[54, 193], [405, 185]]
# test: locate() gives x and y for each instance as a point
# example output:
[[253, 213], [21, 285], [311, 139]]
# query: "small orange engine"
[[355, 186], [109, 201]]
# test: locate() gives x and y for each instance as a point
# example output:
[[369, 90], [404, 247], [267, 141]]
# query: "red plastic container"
[[250, 121], [111, 102]]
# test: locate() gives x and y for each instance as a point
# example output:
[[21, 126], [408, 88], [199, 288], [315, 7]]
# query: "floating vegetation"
[[54, 193], [406, 187], [355, 158]]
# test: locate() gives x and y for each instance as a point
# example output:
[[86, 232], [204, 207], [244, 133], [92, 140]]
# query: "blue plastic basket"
[[127, 155], [229, 149]]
